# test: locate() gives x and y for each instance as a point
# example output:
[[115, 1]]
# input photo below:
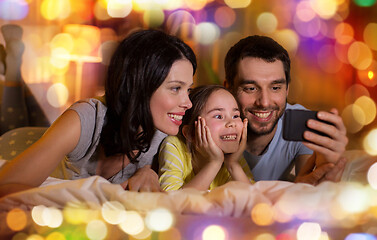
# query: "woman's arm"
[[36, 163]]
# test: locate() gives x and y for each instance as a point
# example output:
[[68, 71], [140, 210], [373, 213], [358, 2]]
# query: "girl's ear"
[[186, 133]]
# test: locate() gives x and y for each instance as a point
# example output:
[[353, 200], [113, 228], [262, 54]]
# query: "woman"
[[146, 96]]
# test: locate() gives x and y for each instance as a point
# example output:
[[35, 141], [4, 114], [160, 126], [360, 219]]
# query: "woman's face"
[[223, 119], [170, 101]]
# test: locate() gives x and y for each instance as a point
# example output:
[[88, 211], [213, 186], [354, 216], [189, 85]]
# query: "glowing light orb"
[[100, 11], [265, 236], [359, 55], [51, 9], [288, 39], [13, 9], [367, 76], [326, 9], [344, 33], [267, 22], [159, 220], [309, 231], [113, 212], [196, 5], [262, 214], [360, 236], [177, 19], [96, 229], [353, 116], [225, 17], [56, 236], [238, 3], [370, 35], [364, 3], [119, 8], [354, 92], [154, 17], [304, 11], [307, 29], [327, 60], [353, 198], [206, 33], [16, 219], [214, 232], [57, 95], [372, 176], [369, 108], [370, 142], [134, 223]]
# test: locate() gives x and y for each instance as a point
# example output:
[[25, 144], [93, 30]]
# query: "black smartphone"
[[294, 124]]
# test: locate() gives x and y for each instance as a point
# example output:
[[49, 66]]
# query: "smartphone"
[[294, 124]]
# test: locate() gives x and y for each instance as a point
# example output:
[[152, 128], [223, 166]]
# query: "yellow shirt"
[[176, 167]]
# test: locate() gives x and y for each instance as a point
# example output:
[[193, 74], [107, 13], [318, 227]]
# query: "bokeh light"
[[195, 5], [113, 212], [368, 76], [76, 213], [225, 17], [372, 176], [369, 108], [237, 3], [324, 8], [359, 55], [214, 232], [55, 236], [96, 229], [365, 3], [370, 35], [288, 39], [16, 219], [172, 233], [344, 33], [133, 224], [153, 17], [13, 9], [262, 214], [353, 116], [353, 198], [354, 92], [309, 231], [52, 10], [327, 60], [119, 8], [159, 220], [304, 11], [57, 95], [206, 33], [267, 22], [370, 142], [308, 29], [360, 236], [100, 10], [265, 236], [180, 18]]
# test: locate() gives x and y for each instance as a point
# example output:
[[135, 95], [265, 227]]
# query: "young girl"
[[146, 95], [208, 151]]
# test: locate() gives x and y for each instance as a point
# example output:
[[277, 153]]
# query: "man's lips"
[[264, 116]]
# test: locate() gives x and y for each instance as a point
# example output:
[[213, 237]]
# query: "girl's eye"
[[218, 117], [236, 116], [189, 90]]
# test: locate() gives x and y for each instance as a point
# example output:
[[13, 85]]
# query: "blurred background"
[[57, 51]]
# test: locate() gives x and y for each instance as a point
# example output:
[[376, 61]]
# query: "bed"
[[93, 208]]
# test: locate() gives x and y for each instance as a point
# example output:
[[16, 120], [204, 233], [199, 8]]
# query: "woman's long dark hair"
[[138, 67]]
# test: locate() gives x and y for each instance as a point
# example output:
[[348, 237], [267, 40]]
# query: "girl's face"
[[170, 101], [223, 119]]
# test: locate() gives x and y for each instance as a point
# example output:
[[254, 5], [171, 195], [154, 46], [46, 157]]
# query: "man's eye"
[[276, 88], [249, 89]]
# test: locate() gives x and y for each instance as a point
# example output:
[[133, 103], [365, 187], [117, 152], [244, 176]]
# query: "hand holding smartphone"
[[294, 124]]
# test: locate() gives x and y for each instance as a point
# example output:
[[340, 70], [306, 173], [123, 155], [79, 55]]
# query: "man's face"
[[262, 90]]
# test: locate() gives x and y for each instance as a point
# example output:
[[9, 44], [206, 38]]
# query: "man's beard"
[[261, 131]]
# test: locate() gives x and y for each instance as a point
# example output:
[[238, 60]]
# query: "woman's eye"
[[175, 89]]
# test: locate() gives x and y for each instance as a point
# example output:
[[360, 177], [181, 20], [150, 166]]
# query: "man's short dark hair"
[[255, 46]]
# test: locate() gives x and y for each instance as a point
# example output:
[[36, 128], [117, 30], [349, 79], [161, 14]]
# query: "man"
[[258, 71]]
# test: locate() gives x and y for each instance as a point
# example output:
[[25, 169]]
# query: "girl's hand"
[[204, 143], [236, 156]]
